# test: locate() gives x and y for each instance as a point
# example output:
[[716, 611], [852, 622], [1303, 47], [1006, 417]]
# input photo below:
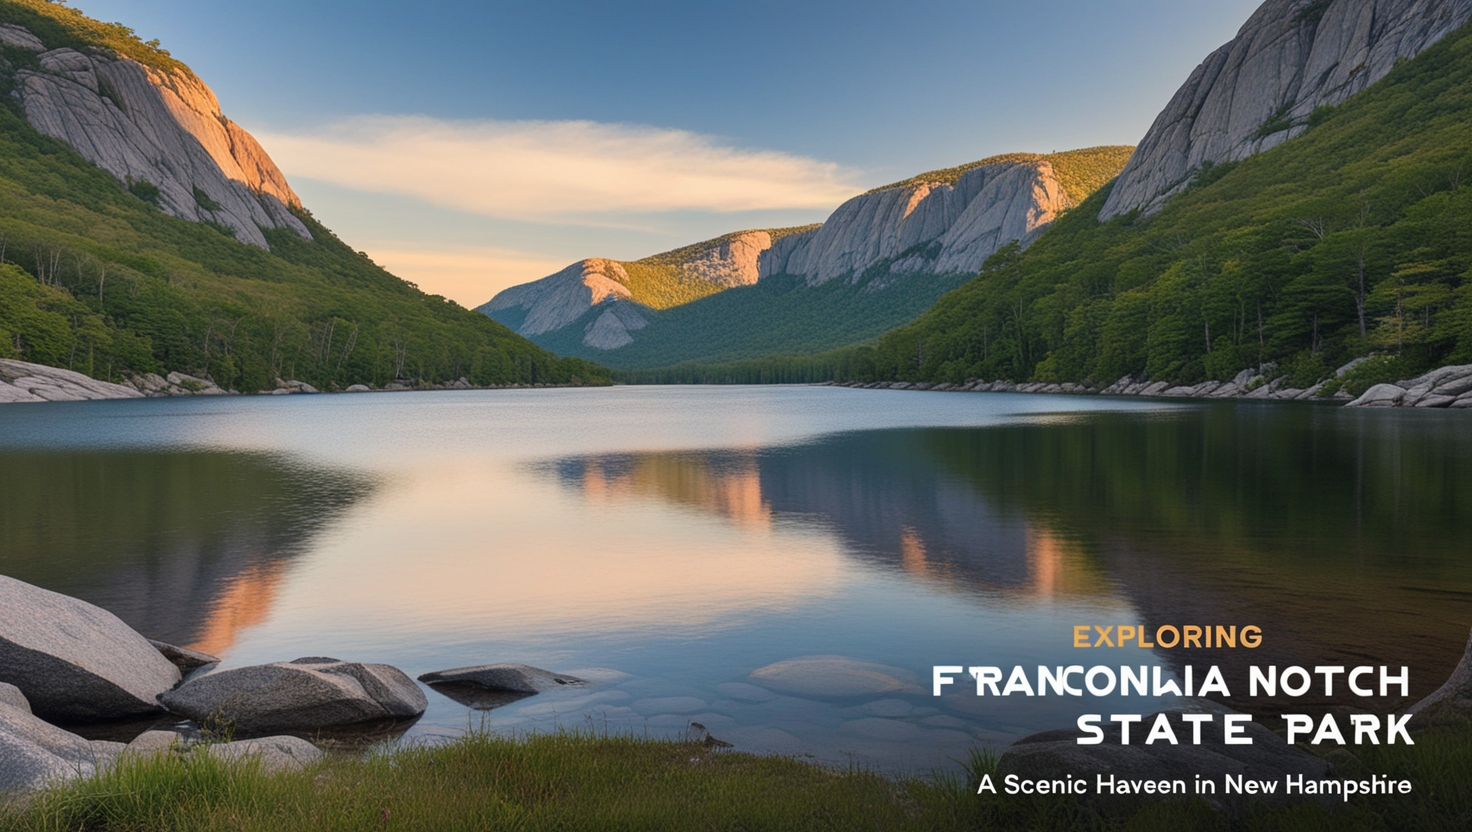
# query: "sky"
[[470, 146]]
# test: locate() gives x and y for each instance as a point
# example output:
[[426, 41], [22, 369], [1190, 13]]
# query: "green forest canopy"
[[1353, 238]]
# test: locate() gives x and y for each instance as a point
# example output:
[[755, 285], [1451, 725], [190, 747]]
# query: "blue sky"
[[469, 146]]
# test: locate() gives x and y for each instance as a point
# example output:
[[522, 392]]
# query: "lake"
[[783, 565]]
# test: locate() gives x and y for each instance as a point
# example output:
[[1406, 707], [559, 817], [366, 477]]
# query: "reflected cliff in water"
[[881, 494], [1341, 533], [1307, 521], [185, 547]]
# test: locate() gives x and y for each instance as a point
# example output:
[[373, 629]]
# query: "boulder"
[[1057, 754], [509, 678], [182, 657], [74, 661], [1381, 395], [270, 753], [302, 695], [152, 742], [35, 754]]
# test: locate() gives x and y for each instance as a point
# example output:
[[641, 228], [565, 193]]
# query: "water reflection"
[[672, 576], [1310, 523], [882, 494], [186, 547]]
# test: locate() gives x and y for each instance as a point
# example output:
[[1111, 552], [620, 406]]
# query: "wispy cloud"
[[555, 170]]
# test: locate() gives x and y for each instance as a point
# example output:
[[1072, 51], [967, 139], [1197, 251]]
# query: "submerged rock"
[[302, 695], [75, 661], [833, 676], [508, 678]]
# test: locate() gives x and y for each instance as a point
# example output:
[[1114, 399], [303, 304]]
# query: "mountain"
[[143, 231], [881, 259], [659, 282], [1261, 89], [1351, 239]]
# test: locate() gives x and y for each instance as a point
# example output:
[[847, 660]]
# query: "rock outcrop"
[[74, 661], [21, 381], [1443, 387], [303, 695], [162, 127], [175, 384], [1256, 92], [560, 300], [946, 223], [925, 227]]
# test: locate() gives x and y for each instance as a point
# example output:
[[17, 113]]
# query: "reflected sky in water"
[[670, 542]]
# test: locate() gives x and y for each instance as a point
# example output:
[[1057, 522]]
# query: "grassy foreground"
[[573, 781]]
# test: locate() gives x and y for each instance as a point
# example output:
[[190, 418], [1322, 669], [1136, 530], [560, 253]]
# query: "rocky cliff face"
[[563, 299], [922, 226], [165, 128], [925, 227], [1257, 91]]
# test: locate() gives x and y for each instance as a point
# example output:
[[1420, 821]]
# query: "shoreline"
[[1448, 387]]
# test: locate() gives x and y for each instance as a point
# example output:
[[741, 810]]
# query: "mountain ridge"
[[921, 237]]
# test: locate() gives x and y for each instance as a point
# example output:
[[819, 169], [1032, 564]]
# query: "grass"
[[580, 781]]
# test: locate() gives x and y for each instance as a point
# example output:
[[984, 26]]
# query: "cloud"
[[468, 275], [555, 170]]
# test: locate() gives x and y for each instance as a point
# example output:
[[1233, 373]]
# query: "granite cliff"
[[152, 127], [1259, 90], [924, 234], [627, 295]]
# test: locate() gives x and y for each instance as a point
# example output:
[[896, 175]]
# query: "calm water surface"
[[670, 543]]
